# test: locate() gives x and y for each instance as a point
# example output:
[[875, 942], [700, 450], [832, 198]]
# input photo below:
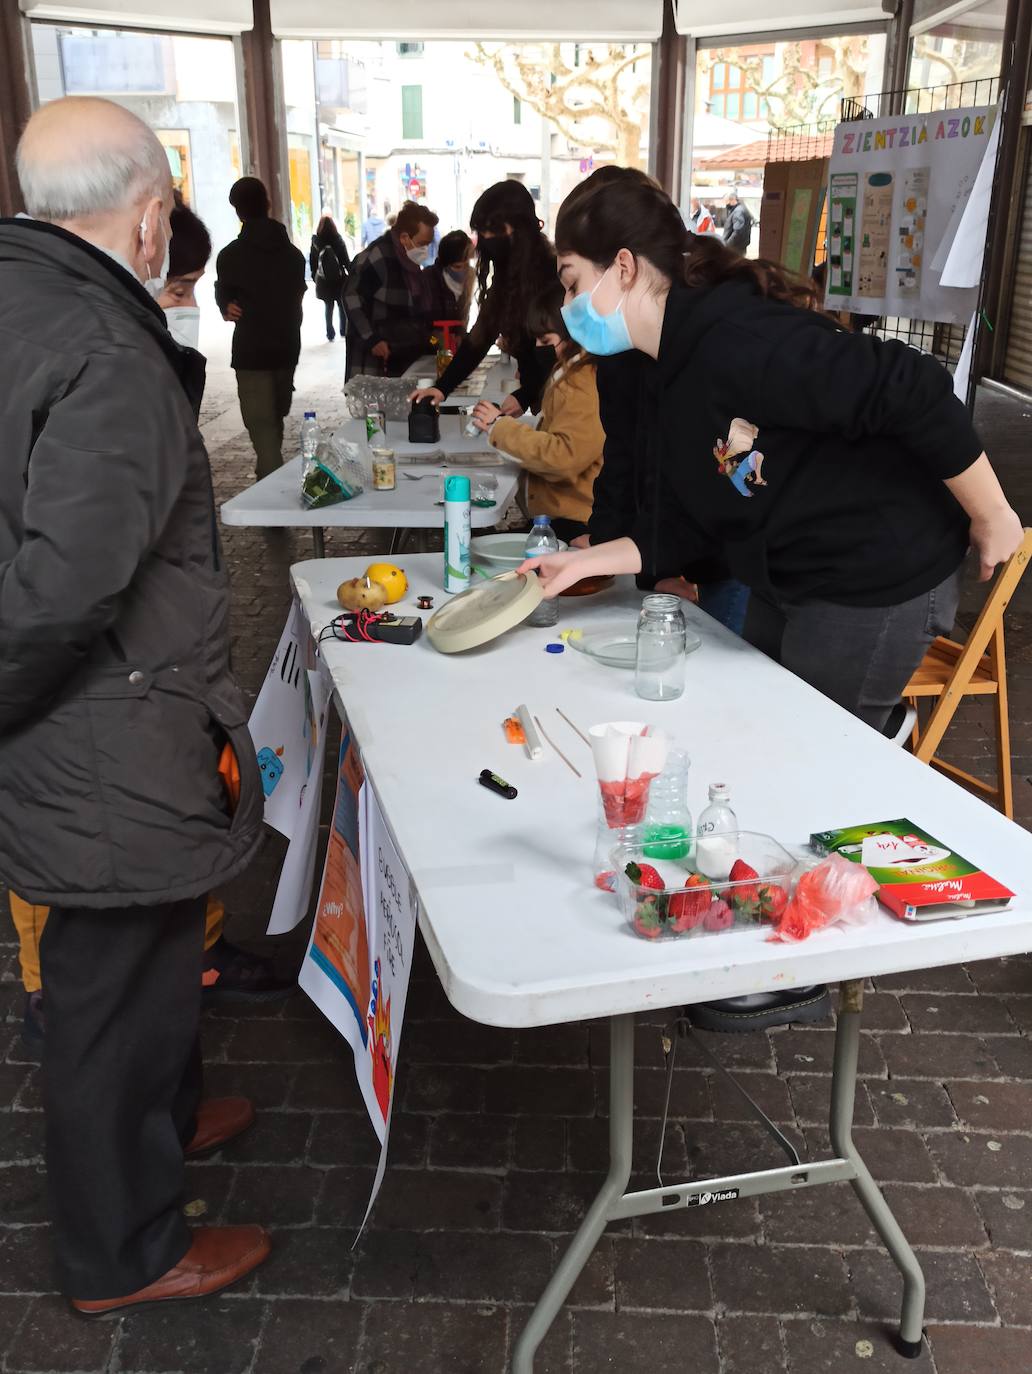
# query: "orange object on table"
[[229, 772]]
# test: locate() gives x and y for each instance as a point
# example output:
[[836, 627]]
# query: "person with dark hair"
[[451, 278], [837, 475], [387, 298], [188, 257], [514, 262], [562, 457], [738, 224], [330, 262], [259, 287]]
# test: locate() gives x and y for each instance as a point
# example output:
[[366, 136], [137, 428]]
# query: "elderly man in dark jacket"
[[116, 705]]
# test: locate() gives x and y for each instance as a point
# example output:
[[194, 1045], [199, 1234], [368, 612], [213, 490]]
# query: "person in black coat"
[[260, 283], [330, 263]]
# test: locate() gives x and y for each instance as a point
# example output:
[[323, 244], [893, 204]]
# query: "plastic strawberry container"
[[712, 904]]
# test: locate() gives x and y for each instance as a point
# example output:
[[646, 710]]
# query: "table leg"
[[320, 543], [843, 1092], [621, 1126]]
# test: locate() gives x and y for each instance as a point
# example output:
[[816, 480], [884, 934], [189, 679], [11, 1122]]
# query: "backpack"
[[327, 275]]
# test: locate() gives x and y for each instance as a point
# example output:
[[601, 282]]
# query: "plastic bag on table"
[[832, 892], [336, 473], [387, 394]]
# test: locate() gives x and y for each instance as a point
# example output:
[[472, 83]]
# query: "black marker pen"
[[496, 784]]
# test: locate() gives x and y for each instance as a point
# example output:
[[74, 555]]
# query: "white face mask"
[[184, 324], [155, 285], [418, 255]]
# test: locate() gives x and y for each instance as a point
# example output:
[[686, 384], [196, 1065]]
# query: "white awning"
[[702, 19], [528, 21], [179, 16]]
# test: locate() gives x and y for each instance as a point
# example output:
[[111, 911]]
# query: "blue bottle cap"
[[554, 648], [456, 487]]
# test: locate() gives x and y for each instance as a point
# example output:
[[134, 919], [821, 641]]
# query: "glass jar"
[[662, 641], [668, 821]]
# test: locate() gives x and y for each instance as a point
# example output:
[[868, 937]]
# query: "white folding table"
[[520, 937]]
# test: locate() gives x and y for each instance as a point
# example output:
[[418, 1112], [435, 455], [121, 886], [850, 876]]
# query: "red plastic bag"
[[834, 891]]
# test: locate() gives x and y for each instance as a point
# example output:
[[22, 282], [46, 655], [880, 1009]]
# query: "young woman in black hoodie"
[[835, 474]]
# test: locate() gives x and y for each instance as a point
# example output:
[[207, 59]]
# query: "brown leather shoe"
[[218, 1257], [219, 1119]]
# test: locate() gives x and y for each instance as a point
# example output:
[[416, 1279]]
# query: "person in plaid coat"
[[388, 299]]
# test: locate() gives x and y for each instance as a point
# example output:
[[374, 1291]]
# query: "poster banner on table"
[[294, 890], [284, 725], [356, 968], [894, 188]]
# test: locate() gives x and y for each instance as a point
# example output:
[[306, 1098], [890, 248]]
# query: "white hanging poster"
[[911, 169], [284, 724]]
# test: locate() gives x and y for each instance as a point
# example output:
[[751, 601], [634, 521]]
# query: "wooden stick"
[[573, 727], [555, 746]]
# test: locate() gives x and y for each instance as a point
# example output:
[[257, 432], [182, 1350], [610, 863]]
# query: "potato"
[[360, 594]]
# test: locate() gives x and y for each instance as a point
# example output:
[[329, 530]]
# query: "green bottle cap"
[[456, 487]]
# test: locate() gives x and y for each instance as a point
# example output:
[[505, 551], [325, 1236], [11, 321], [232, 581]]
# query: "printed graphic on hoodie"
[[741, 436]]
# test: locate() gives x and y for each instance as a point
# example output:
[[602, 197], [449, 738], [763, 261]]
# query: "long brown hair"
[[620, 207]]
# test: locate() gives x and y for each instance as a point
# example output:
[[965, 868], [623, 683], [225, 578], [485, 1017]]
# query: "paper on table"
[[628, 755]]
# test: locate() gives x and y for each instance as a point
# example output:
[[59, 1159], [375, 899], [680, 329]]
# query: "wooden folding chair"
[[952, 671]]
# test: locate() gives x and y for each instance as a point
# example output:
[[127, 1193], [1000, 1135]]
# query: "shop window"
[[176, 143]]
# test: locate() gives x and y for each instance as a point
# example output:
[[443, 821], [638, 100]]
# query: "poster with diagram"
[[841, 231], [904, 175], [875, 236]]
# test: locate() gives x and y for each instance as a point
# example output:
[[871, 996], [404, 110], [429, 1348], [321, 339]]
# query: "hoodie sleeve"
[[615, 501], [101, 463], [805, 374], [573, 440]]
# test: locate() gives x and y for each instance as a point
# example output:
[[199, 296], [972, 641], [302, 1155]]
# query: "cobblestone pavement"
[[499, 1142]]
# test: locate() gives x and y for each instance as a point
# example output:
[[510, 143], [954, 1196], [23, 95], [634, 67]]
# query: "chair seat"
[[936, 669]]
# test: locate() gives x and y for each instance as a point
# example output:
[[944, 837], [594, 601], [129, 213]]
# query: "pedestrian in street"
[[387, 298], [117, 706], [330, 263], [738, 224], [701, 221], [259, 286], [373, 226], [515, 262]]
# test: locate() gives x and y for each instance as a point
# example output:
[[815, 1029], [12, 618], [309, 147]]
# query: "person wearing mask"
[[330, 264], [228, 973], [562, 456], [700, 220], [451, 278], [837, 475], [387, 298], [117, 706], [737, 225], [515, 261], [373, 226], [259, 286]]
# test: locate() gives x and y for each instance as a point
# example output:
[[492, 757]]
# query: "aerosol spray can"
[[456, 532]]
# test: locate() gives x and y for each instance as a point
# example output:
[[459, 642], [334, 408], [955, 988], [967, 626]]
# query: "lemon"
[[391, 579]]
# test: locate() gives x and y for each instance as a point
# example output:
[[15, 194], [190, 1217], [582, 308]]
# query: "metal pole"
[[667, 133], [621, 1128], [901, 57]]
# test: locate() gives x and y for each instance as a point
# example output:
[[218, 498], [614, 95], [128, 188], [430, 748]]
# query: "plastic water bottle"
[[716, 845], [310, 435], [542, 541]]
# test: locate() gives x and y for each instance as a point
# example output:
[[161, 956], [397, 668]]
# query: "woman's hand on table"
[[557, 571], [434, 393], [510, 406], [484, 415]]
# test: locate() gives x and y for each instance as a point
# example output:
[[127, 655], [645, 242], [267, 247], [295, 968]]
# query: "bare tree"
[[599, 104], [798, 93]]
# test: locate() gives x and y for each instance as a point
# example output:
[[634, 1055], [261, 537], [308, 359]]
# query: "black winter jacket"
[[767, 443], [116, 696], [263, 273]]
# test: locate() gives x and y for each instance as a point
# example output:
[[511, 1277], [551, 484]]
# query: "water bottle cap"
[[542, 520], [456, 487], [719, 791], [309, 414]]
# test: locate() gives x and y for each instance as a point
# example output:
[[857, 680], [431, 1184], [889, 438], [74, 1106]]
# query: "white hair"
[[90, 175]]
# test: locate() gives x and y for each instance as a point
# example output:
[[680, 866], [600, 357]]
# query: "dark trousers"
[[860, 656], [265, 399], [121, 1084], [328, 306]]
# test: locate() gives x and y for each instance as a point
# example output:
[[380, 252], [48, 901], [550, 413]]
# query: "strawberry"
[[718, 917], [744, 897], [773, 900], [606, 881], [644, 875], [648, 919], [686, 909], [742, 872]]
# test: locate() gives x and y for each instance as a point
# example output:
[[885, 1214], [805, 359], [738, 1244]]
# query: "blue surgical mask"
[[602, 335]]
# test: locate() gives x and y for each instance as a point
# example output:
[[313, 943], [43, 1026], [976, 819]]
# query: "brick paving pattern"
[[499, 1141]]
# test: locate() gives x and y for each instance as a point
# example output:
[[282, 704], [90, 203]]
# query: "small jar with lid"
[[385, 477]]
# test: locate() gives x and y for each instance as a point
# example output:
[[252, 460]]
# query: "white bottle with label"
[[456, 532], [716, 845]]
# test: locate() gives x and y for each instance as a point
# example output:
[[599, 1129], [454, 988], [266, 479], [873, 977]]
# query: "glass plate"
[[615, 646]]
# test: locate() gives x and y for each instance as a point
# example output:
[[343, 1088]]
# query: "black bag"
[[328, 280]]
